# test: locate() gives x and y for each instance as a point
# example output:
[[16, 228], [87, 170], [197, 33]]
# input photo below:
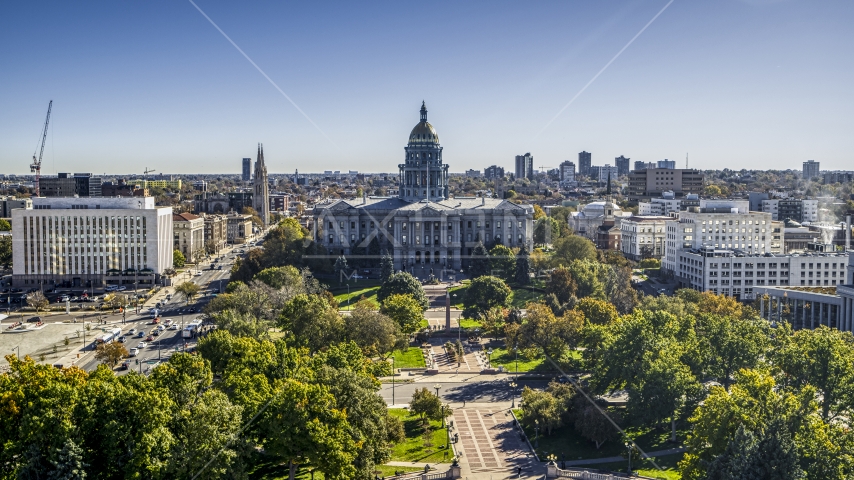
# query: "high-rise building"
[[585, 161], [493, 172], [667, 164], [641, 165], [652, 182], [128, 241], [525, 166], [247, 169], [68, 185], [622, 164], [567, 171], [261, 196], [811, 169]]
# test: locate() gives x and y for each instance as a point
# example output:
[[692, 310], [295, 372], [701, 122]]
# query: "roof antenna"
[[686, 160]]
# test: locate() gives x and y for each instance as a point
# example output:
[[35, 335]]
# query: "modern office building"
[[69, 185], [792, 209], [91, 242], [838, 177], [472, 173], [247, 170], [423, 228], [122, 189], [585, 161], [811, 169], [640, 165], [189, 235], [493, 172], [7, 204], [651, 182], [172, 184], [567, 171], [666, 164], [603, 173], [524, 166], [623, 165]]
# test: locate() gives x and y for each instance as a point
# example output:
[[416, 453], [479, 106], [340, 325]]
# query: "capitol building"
[[424, 228]]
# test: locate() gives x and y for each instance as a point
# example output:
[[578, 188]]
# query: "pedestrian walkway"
[[489, 444], [591, 461]]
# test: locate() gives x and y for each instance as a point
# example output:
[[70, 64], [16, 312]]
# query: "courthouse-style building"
[[423, 228]]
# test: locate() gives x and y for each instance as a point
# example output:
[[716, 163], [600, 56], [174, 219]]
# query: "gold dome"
[[423, 133]]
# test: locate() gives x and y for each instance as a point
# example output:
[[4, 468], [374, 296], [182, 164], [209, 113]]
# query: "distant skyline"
[[734, 83]]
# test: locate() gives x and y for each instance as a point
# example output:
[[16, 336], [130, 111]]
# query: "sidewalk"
[[591, 461]]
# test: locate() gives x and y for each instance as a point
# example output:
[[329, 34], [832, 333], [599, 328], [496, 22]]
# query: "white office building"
[[91, 242]]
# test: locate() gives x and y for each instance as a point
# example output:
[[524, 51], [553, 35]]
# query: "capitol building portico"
[[424, 228]]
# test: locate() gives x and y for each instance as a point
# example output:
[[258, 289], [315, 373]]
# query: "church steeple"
[[423, 111]]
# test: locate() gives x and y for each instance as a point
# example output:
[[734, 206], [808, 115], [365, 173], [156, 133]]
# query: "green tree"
[[314, 323], [279, 278], [404, 284], [523, 269], [479, 263], [340, 267], [484, 293], [386, 267], [593, 425], [597, 311], [588, 278], [544, 332], [662, 389], [178, 259], [427, 405], [5, 250], [731, 344], [561, 284], [538, 212], [541, 408], [502, 262], [405, 310], [188, 289], [375, 333], [110, 353], [69, 463], [546, 231], [571, 248], [5, 226]]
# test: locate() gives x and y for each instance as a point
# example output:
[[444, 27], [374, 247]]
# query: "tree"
[[479, 263], [405, 284], [588, 277], [374, 332], [523, 269], [484, 293], [386, 267], [69, 463], [314, 323], [561, 284], [279, 278], [731, 344], [405, 311], [425, 404], [5, 226], [592, 424], [538, 212], [178, 259], [188, 290], [664, 385], [546, 231], [5, 250], [547, 333], [571, 248], [541, 408], [38, 301], [340, 267], [597, 311], [110, 353], [502, 262]]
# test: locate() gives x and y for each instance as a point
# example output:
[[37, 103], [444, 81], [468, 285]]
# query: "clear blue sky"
[[735, 83]]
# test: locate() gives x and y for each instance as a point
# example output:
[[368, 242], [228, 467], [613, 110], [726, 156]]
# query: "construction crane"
[[36, 166], [145, 177]]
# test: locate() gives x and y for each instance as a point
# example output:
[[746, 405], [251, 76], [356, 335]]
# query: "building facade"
[[493, 172], [811, 169], [525, 166], [216, 232], [587, 220], [623, 165], [585, 161], [423, 228], [238, 228], [666, 164], [91, 242], [68, 185], [247, 170], [567, 171], [643, 237], [189, 235], [7, 204], [651, 182]]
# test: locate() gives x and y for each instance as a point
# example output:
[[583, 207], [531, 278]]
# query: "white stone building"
[[189, 235], [590, 217], [90, 242], [643, 237]]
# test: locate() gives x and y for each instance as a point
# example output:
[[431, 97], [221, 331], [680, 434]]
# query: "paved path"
[[490, 446], [591, 461]]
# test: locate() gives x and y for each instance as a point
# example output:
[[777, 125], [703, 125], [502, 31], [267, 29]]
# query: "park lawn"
[[356, 294], [565, 441], [502, 357], [388, 470], [522, 294], [412, 449], [411, 358], [467, 324], [668, 464]]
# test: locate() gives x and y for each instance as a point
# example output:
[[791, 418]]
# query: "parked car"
[[122, 288], [34, 319]]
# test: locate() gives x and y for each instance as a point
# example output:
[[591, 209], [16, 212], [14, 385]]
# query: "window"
[[403, 239]]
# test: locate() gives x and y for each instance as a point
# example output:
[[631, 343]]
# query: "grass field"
[[356, 294], [507, 359], [521, 295], [646, 468], [262, 468], [413, 449], [411, 358]]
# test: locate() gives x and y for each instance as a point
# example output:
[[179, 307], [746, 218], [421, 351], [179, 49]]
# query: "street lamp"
[[348, 295], [513, 385], [392, 380], [629, 446], [437, 387], [516, 351], [489, 358], [536, 434]]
